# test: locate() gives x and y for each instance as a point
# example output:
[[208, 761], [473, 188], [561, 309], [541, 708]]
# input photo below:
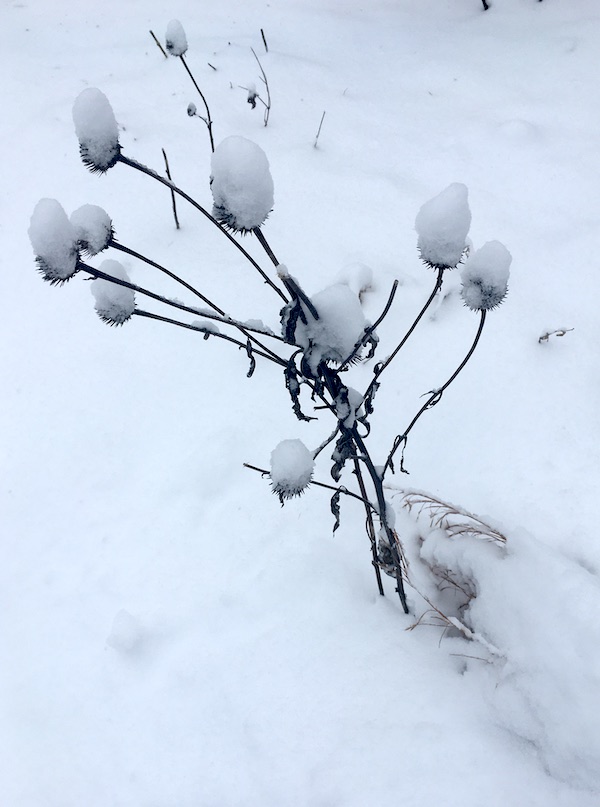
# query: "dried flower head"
[[241, 184], [442, 225], [54, 241], [175, 39], [93, 228], [115, 304], [97, 130], [485, 277], [292, 466]]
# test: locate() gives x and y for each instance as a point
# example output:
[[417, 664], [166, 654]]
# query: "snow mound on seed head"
[[93, 228], [54, 241], [485, 277], [442, 225], [241, 184], [175, 38], [292, 467], [114, 303], [97, 130]]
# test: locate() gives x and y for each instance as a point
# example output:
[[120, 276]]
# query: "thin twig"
[[162, 50], [172, 191], [208, 120], [434, 398], [153, 174], [319, 130], [264, 39], [365, 337], [370, 527], [266, 83]]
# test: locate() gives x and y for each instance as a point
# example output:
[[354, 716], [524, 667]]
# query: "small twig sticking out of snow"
[[162, 50], [212, 65], [319, 130], [545, 337], [172, 191], [264, 80], [264, 39], [485, 5], [208, 119]]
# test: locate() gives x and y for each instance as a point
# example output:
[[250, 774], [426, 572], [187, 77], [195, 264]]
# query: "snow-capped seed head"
[[442, 225], [97, 130], [292, 467], [485, 277], [176, 39], [192, 109], [241, 184], [93, 228], [114, 303], [54, 241]]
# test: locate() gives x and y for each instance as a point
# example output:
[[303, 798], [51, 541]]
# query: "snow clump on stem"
[[485, 277], [241, 184], [97, 130], [292, 466], [175, 39], [93, 228], [54, 241], [442, 225], [114, 303]]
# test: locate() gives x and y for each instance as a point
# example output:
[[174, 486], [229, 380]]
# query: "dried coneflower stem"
[[208, 119], [162, 50], [172, 191]]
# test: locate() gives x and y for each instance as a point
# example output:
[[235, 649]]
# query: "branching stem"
[[208, 120]]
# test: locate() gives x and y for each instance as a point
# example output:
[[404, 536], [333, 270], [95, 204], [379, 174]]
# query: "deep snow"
[[171, 635]]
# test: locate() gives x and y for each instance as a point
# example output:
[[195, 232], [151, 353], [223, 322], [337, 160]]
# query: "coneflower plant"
[[318, 339]]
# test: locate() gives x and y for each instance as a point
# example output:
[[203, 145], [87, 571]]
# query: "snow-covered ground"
[[170, 634]]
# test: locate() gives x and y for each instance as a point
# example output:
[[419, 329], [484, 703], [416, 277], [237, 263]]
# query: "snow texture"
[[93, 228], [241, 184], [54, 241], [442, 225], [175, 38], [114, 303], [292, 466], [96, 129], [126, 634], [485, 277], [340, 326]]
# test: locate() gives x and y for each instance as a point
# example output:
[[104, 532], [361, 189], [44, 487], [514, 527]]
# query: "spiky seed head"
[[93, 228], [54, 242], [115, 303], [175, 39], [442, 225], [97, 130], [485, 277], [292, 467]]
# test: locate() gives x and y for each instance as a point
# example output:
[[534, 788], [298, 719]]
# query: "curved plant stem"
[[363, 340], [207, 333], [433, 399], [115, 245], [265, 245], [201, 94], [370, 526], [149, 172], [381, 367]]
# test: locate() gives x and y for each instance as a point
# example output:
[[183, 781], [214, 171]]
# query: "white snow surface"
[[442, 225], [96, 128], [54, 240], [93, 228], [171, 635], [241, 183], [175, 38], [114, 303], [485, 276], [340, 325], [292, 468]]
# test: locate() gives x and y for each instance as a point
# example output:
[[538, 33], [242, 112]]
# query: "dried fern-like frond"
[[456, 521]]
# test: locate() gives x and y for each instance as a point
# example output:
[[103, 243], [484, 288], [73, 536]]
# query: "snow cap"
[[175, 38], [97, 130], [485, 277], [442, 225], [114, 303], [292, 466], [54, 241], [93, 228], [241, 184]]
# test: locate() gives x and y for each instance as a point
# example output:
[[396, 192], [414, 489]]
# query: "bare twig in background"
[[162, 50], [558, 332], [319, 130], [264, 80], [172, 191], [264, 39]]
